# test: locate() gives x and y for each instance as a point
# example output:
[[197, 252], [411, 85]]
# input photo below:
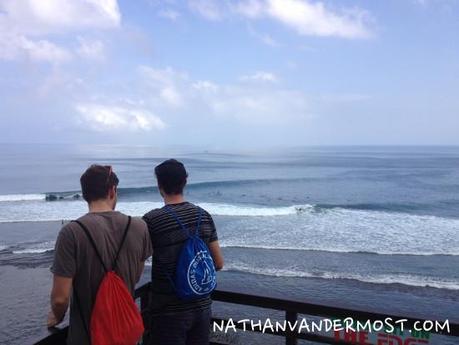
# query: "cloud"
[[14, 47], [445, 5], [345, 98], [315, 19], [167, 84], [259, 106], [169, 14], [205, 86], [263, 37], [24, 26], [260, 77], [255, 99], [209, 9], [251, 8], [91, 49], [306, 17], [31, 17], [113, 118]]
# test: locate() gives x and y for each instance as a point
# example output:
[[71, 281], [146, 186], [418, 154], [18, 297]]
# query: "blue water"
[[355, 226]]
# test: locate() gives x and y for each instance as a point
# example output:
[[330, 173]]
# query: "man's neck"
[[100, 206], [173, 199]]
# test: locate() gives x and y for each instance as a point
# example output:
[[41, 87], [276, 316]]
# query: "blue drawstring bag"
[[195, 275]]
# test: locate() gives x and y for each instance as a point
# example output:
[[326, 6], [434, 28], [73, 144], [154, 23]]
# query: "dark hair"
[[97, 181], [171, 176]]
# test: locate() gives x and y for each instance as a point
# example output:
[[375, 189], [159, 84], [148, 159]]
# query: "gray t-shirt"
[[74, 257]]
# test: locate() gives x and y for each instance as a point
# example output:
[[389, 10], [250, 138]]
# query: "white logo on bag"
[[201, 285]]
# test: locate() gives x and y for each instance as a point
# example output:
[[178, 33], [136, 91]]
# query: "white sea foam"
[[21, 197], [410, 280], [254, 211], [139, 208], [72, 209], [343, 230], [328, 249], [37, 248], [299, 227]]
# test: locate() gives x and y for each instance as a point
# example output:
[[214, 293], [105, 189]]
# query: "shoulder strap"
[[121, 244], [177, 219], [198, 225], [91, 240], [80, 311]]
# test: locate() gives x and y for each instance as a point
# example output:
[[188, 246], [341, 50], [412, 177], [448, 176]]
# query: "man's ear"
[[112, 192]]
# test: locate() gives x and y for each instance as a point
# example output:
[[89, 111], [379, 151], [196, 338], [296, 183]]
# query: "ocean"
[[371, 228]]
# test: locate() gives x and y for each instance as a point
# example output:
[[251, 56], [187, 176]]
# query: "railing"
[[292, 310]]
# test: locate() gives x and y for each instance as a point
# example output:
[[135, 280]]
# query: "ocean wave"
[[21, 197], [32, 251], [36, 248], [409, 280], [49, 246], [73, 210], [328, 250], [129, 191], [300, 227], [254, 211]]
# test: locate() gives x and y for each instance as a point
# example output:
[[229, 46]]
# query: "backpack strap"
[[93, 244], [198, 225], [184, 228], [121, 244], [177, 219], [91, 240], [80, 311]]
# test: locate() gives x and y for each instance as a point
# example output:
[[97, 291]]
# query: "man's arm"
[[217, 255], [64, 269], [147, 250], [60, 296], [141, 268]]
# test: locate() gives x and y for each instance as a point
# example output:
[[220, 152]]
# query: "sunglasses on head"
[[109, 167]]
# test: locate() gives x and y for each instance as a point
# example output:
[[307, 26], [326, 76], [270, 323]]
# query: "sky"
[[230, 74]]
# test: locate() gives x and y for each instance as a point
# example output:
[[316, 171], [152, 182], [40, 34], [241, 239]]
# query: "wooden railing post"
[[291, 318]]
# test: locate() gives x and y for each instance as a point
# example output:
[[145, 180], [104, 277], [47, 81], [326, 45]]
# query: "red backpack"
[[115, 318]]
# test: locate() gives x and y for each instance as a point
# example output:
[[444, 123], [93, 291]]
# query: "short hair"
[[171, 176], [96, 181]]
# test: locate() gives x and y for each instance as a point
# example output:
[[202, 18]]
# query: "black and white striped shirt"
[[168, 239]]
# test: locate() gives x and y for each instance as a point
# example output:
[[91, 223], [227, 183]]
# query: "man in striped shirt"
[[175, 321]]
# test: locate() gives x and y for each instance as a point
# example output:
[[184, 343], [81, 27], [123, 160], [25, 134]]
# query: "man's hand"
[[217, 255], [52, 320]]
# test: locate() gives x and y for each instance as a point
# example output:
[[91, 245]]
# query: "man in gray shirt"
[[75, 261]]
